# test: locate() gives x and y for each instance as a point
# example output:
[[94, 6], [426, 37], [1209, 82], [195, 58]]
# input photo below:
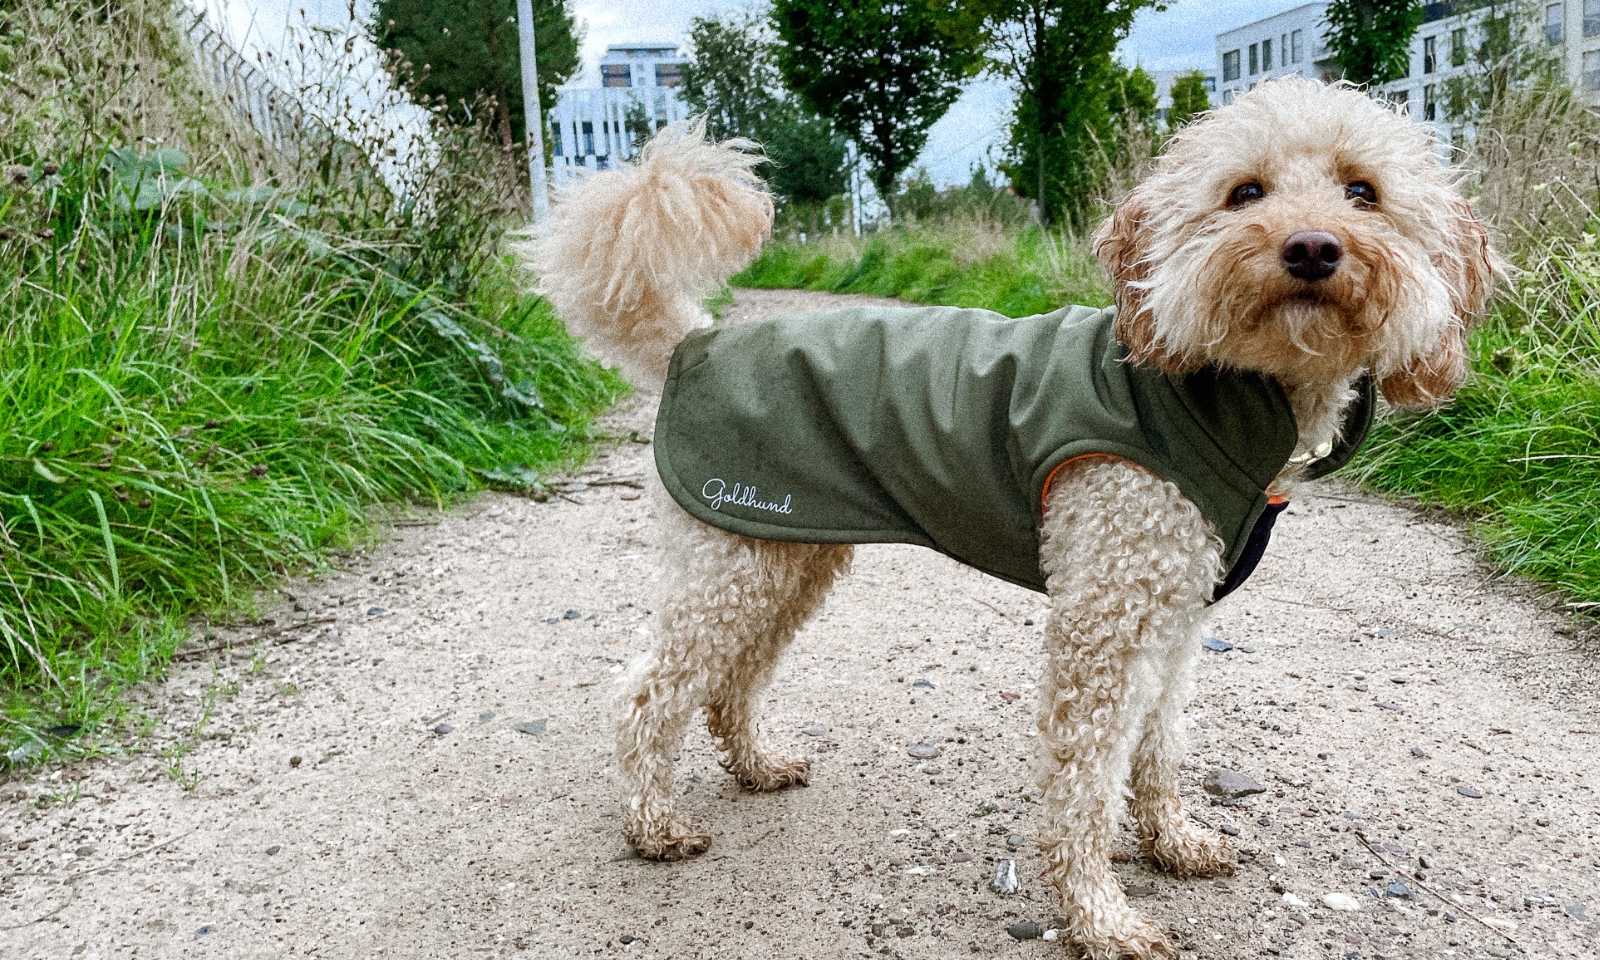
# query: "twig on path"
[[1436, 894], [199, 652], [1317, 606], [636, 483], [986, 603]]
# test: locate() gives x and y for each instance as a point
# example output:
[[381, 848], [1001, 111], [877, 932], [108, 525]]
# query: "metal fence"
[[245, 88]]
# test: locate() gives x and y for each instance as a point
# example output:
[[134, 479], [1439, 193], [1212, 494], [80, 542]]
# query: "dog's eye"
[[1246, 193], [1363, 193]]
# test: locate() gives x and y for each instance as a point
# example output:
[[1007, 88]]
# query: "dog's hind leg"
[[729, 607], [782, 586], [1165, 832], [1128, 561]]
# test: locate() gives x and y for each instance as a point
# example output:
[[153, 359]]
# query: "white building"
[[594, 126], [1292, 42]]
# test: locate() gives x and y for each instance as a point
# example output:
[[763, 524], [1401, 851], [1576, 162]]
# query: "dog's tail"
[[631, 253]]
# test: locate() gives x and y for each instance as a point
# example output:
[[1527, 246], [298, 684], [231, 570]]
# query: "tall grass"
[[965, 262], [206, 384]]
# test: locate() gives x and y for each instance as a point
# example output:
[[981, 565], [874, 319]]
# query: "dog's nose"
[[1312, 254]]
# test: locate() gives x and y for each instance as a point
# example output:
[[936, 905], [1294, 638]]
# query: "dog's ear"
[[1468, 266], [1120, 244]]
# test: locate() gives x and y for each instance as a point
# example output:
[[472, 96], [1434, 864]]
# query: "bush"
[[205, 386]]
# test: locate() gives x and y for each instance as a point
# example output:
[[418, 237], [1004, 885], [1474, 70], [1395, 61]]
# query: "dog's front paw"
[[1188, 852], [673, 839], [775, 772], [1123, 936]]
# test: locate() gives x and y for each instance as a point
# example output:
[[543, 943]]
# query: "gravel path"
[[424, 769]]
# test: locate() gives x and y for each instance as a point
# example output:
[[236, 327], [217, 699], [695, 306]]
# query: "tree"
[[883, 71], [1189, 99], [463, 50], [1371, 39], [1511, 53], [732, 76], [732, 79], [1058, 53]]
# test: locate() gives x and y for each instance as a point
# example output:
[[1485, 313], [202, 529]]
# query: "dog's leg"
[[1165, 833], [729, 606], [1129, 562], [788, 583]]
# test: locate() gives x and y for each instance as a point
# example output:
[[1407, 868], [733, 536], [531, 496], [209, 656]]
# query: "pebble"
[[924, 684], [294, 761], [1384, 705], [486, 716], [1139, 891], [571, 615], [1359, 687], [1216, 645], [441, 728], [84, 851], [1247, 649], [1399, 890], [1419, 753], [1014, 841], [1229, 830], [933, 769], [1341, 901], [203, 931], [1005, 878], [272, 850], [815, 731], [1230, 784], [535, 727], [374, 611], [1470, 792], [923, 751], [1576, 911], [1025, 930], [1294, 901], [1049, 934], [625, 939], [960, 856]]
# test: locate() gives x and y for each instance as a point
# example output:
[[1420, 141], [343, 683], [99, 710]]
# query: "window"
[[1402, 100], [669, 74], [1430, 57], [1430, 107], [1555, 23], [1230, 66], [1591, 18], [588, 138], [1591, 71], [1297, 45], [1458, 47], [555, 138], [1211, 84], [615, 75], [1255, 59], [1266, 55]]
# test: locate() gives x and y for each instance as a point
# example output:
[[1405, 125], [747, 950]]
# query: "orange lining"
[[1045, 495]]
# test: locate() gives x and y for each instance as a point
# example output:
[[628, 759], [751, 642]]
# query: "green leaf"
[[44, 471]]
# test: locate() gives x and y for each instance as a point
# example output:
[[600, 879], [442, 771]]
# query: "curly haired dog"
[[1304, 236]]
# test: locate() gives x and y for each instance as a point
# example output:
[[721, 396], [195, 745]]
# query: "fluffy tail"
[[631, 253]]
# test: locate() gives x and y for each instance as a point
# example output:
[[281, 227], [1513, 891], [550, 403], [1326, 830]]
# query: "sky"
[[972, 132]]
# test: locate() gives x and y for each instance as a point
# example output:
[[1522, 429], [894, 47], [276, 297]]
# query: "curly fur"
[[1129, 560]]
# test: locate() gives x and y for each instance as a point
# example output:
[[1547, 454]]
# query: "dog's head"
[[1307, 232]]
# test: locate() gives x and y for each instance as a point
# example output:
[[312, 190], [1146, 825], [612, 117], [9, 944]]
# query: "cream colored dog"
[[1304, 232]]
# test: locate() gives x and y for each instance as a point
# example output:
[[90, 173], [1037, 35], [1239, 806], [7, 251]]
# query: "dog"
[[1287, 252]]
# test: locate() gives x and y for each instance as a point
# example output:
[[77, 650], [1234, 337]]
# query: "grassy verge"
[[1017, 273], [1517, 453], [205, 386]]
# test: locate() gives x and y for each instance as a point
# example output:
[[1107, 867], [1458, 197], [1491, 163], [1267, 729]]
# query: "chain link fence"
[[245, 88]]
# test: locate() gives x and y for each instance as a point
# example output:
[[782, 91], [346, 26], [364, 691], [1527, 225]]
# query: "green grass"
[[199, 398], [1517, 453], [1014, 273]]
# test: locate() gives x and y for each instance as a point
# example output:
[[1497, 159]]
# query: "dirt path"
[[425, 770]]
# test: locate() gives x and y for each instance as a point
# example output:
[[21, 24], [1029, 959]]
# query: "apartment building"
[[1293, 42], [591, 126]]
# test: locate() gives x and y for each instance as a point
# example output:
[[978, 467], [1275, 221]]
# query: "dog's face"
[[1307, 232]]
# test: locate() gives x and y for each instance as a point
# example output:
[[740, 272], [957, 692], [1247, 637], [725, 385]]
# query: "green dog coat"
[[941, 427]]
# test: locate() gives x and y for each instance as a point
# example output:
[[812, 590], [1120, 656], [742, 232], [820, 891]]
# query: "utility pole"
[[532, 114]]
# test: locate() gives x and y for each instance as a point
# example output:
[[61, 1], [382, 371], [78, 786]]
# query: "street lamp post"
[[532, 114]]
